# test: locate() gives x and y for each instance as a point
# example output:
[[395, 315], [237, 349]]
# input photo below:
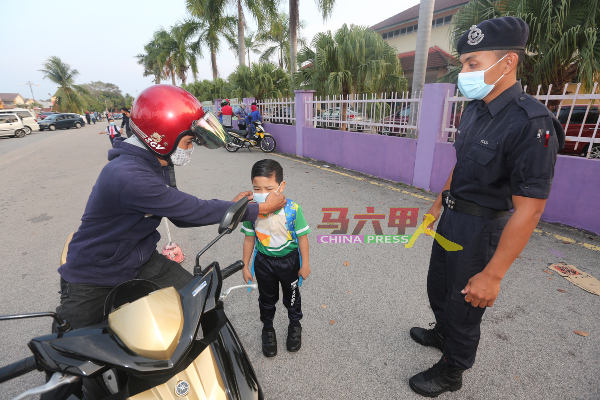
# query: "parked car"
[[117, 116], [331, 118], [27, 117], [43, 115], [399, 121], [62, 121], [11, 125], [575, 126]]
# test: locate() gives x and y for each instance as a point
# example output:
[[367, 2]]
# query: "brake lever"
[[226, 293], [57, 380]]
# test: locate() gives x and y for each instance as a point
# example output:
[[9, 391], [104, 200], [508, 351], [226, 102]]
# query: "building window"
[[397, 32], [416, 27], [439, 22], [409, 29], [448, 19], [403, 31], [385, 35], [433, 23]]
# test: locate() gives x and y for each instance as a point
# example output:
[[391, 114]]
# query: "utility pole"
[[30, 84]]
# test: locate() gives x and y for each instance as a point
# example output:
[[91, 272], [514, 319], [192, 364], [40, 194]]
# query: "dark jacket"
[[125, 123], [118, 232]]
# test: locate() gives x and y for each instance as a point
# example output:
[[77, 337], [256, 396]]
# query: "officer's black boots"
[[294, 339], [269, 342], [436, 380], [429, 337]]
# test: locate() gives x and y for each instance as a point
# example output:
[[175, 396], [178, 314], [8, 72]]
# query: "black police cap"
[[505, 33]]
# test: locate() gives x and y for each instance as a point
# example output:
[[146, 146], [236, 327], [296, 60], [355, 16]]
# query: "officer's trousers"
[[270, 272], [449, 272]]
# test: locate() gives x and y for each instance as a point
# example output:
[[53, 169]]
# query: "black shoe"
[[294, 339], [429, 337], [269, 342], [436, 380]]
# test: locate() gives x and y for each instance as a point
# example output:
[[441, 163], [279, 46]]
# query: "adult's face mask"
[[472, 84], [262, 197], [181, 156]]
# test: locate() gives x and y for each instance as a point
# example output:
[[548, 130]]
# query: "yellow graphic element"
[[445, 243]]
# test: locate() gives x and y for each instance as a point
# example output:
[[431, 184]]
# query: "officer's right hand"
[[274, 201], [436, 212]]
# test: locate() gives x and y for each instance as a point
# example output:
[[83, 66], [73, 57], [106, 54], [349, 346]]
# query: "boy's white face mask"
[[262, 197]]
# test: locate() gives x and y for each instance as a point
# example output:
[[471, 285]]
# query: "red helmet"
[[162, 114]]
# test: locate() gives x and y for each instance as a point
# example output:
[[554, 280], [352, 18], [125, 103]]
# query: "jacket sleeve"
[[146, 193]]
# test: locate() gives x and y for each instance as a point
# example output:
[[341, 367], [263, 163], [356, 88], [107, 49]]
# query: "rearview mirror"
[[233, 216]]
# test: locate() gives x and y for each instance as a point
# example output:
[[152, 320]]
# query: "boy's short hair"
[[267, 168]]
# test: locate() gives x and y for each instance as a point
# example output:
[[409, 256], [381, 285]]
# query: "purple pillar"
[[217, 105], [302, 114], [430, 127], [248, 101]]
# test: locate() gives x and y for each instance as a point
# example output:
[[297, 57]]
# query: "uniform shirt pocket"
[[481, 153]]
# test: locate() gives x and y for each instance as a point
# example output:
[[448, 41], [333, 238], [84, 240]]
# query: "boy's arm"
[[246, 256], [303, 246]]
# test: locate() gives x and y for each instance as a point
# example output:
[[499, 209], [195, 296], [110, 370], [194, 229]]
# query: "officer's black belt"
[[468, 207]]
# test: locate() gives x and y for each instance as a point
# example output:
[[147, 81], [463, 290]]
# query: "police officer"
[[506, 147]]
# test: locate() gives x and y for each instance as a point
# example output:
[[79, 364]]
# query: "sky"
[[101, 39]]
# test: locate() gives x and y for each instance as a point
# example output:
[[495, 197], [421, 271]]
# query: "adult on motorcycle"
[[242, 114], [253, 117], [226, 114]]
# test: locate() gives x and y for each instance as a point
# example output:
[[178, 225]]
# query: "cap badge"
[[156, 137], [475, 36]]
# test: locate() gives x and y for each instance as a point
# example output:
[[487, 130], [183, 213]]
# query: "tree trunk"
[[173, 77], [294, 15], [248, 58], [241, 40], [421, 53], [343, 111], [213, 63]]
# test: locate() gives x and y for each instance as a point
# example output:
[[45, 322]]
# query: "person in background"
[[112, 130], [125, 122], [226, 114], [252, 117], [242, 115], [93, 117], [87, 117]]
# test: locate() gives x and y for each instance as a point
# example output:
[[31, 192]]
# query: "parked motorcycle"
[[263, 140], [156, 343]]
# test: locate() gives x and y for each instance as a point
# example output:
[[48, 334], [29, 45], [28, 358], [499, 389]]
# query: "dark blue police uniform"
[[503, 149]]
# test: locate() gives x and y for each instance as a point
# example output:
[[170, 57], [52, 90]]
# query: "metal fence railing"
[[278, 111], [396, 114], [577, 112]]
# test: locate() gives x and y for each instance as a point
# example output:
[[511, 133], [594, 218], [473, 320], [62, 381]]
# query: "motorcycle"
[[263, 141], [155, 343]]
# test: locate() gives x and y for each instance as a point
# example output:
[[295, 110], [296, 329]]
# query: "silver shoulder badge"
[[475, 36]]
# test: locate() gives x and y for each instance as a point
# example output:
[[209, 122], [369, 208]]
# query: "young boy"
[[112, 130], [280, 256]]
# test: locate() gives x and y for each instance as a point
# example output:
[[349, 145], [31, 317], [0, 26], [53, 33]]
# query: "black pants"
[[449, 272], [83, 304], [270, 272], [128, 132]]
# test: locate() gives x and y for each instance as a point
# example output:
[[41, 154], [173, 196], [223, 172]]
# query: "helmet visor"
[[209, 132]]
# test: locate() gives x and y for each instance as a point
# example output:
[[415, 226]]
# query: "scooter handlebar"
[[232, 269], [17, 369]]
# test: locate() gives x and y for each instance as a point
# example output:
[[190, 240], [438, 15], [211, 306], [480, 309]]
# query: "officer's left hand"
[[248, 194], [482, 290]]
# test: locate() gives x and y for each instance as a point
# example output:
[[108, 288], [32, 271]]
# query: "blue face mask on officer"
[[472, 84]]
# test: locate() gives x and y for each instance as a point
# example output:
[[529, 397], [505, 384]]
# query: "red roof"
[[436, 58], [413, 13]]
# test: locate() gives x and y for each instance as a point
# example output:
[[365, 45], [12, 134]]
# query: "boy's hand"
[[248, 194], [247, 275], [304, 272]]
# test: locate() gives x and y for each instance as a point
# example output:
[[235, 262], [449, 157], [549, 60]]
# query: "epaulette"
[[532, 106]]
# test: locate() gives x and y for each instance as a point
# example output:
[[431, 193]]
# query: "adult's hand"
[[435, 211], [482, 290], [248, 194], [273, 202]]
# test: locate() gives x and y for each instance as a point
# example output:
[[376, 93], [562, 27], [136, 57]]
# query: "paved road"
[[528, 348]]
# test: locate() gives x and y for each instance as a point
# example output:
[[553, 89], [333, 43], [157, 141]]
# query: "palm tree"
[[252, 43], [353, 60], [153, 61], [68, 93], [326, 8], [216, 10], [563, 44], [184, 54], [262, 80], [279, 35]]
